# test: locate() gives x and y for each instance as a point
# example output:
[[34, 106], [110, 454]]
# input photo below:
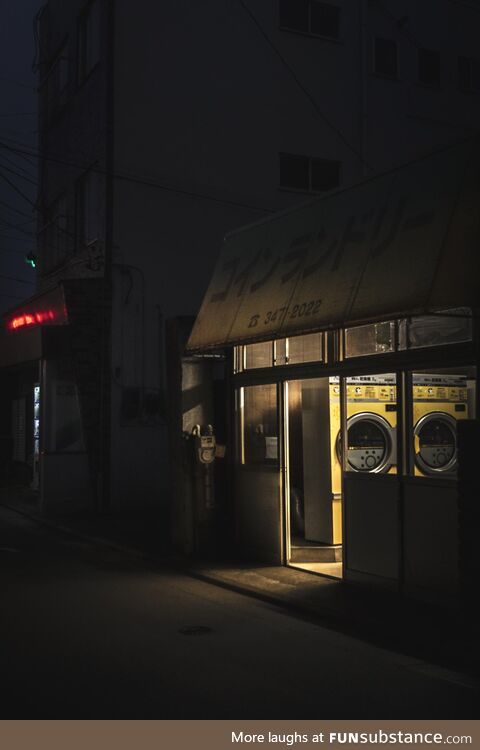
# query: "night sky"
[[18, 125]]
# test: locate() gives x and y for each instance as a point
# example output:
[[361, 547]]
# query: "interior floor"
[[332, 569]]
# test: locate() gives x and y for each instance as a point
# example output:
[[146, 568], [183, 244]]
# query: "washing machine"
[[438, 402], [371, 425]]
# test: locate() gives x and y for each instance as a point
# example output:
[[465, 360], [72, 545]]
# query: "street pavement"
[[88, 631]]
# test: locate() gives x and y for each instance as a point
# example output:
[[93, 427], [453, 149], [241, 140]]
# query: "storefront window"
[[435, 330], [259, 425], [258, 355], [305, 349], [374, 338], [440, 399], [371, 410], [291, 351]]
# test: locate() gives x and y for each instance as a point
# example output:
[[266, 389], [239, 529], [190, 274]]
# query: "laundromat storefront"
[[353, 329]]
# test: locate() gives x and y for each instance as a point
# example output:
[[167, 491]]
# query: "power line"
[[18, 227], [14, 278], [22, 156], [12, 249], [300, 85], [12, 208], [14, 239], [16, 114], [15, 164], [133, 179], [12, 296], [17, 190], [4, 79], [17, 174]]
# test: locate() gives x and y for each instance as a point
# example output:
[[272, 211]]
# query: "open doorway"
[[313, 475]]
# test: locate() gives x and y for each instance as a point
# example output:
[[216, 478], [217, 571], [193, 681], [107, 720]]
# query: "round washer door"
[[436, 443], [370, 443]]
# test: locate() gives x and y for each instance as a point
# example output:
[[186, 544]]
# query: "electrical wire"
[[15, 164], [300, 85], [17, 174], [132, 178], [19, 227], [12, 296], [12, 81], [13, 239], [17, 190], [12, 208], [13, 278], [16, 114], [32, 162]]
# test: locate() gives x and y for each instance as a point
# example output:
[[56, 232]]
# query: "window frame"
[[380, 73], [436, 84], [471, 88], [308, 32], [55, 97], [81, 210], [55, 239], [83, 72], [310, 160]]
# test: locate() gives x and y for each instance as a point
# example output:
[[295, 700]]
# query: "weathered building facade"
[[162, 127]]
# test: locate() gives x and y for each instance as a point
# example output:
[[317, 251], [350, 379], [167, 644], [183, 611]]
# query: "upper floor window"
[[310, 17], [54, 234], [469, 74], [385, 57], [87, 209], [88, 40], [429, 67], [308, 173], [54, 86]]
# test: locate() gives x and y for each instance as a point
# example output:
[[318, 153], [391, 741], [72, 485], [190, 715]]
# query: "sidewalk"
[[420, 630]]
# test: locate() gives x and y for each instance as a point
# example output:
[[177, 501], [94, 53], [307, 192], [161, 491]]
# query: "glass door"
[[258, 483], [313, 476]]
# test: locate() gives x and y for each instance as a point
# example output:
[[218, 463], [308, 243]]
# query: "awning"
[[21, 333], [45, 309], [403, 243]]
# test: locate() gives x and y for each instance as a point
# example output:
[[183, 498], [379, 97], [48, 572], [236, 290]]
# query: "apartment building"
[[162, 127]]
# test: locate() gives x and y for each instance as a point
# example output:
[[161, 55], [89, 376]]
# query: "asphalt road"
[[87, 631]]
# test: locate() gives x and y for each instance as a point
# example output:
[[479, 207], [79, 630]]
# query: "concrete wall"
[[202, 106]]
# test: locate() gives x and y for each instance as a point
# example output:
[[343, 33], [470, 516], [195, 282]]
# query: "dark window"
[[294, 14], [56, 233], [429, 69], [385, 57], [294, 172], [55, 83], [309, 174], [88, 40], [310, 17], [325, 20], [87, 209], [468, 74]]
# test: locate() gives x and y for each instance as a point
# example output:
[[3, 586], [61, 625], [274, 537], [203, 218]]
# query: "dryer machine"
[[371, 425], [438, 402]]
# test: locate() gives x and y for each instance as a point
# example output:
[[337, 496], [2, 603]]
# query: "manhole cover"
[[195, 630]]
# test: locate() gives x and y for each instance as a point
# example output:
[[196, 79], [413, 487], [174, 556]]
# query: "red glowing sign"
[[47, 309], [31, 319]]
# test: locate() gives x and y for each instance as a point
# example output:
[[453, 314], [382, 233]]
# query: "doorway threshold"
[[327, 569]]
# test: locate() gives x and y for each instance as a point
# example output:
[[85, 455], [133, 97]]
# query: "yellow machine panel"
[[438, 402], [371, 424]]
